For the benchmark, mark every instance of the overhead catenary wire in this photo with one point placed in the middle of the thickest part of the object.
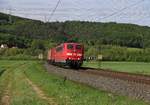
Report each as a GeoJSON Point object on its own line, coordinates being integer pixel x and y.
{"type": "Point", "coordinates": [34, 14]}
{"type": "Point", "coordinates": [121, 10]}
{"type": "Point", "coordinates": [142, 18]}
{"type": "Point", "coordinates": [53, 11]}
{"type": "Point", "coordinates": [23, 11]}
{"type": "Point", "coordinates": [51, 15]}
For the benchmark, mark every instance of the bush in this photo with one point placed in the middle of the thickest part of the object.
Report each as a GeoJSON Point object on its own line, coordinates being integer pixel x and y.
{"type": "Point", "coordinates": [13, 52]}
{"type": "Point", "coordinates": [16, 54]}
{"type": "Point", "coordinates": [117, 53]}
{"type": "Point", "coordinates": [19, 57]}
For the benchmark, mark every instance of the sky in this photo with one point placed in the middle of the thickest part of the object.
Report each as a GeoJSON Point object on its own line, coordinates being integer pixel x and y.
{"type": "Point", "coordinates": [120, 11]}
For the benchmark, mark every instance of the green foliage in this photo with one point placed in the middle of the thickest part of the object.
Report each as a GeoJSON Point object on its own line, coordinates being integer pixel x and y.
{"type": "Point", "coordinates": [37, 37]}
{"type": "Point", "coordinates": [13, 52]}
{"type": "Point", "coordinates": [38, 44]}
{"type": "Point", "coordinates": [128, 35]}
{"type": "Point", "coordinates": [108, 33]}
{"type": "Point", "coordinates": [17, 54]}
{"type": "Point", "coordinates": [19, 57]}
{"type": "Point", "coordinates": [14, 81]}
{"type": "Point", "coordinates": [12, 40]}
{"type": "Point", "coordinates": [92, 51]}
{"type": "Point", "coordinates": [117, 53]}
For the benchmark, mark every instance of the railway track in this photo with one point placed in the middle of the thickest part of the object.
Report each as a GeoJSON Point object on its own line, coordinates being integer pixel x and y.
{"type": "Point", "coordinates": [131, 77]}
{"type": "Point", "coordinates": [133, 85]}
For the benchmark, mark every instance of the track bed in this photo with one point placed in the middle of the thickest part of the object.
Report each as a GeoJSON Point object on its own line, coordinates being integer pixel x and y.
{"type": "Point", "coordinates": [138, 78]}
{"type": "Point", "coordinates": [132, 85]}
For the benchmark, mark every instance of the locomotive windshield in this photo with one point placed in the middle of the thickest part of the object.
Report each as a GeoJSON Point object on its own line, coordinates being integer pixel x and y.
{"type": "Point", "coordinates": [70, 46]}
{"type": "Point", "coordinates": [58, 49]}
{"type": "Point", "coordinates": [78, 47]}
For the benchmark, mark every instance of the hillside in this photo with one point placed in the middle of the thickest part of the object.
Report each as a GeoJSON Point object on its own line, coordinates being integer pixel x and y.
{"type": "Point", "coordinates": [20, 32]}
{"type": "Point", "coordinates": [114, 40]}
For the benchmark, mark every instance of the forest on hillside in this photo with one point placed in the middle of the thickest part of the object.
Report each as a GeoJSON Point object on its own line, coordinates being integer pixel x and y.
{"type": "Point", "coordinates": [128, 35]}
{"type": "Point", "coordinates": [37, 36]}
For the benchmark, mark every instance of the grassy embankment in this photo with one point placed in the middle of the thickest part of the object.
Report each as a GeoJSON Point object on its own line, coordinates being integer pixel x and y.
{"type": "Point", "coordinates": [14, 88]}
{"type": "Point", "coordinates": [131, 67]}
{"type": "Point", "coordinates": [22, 92]}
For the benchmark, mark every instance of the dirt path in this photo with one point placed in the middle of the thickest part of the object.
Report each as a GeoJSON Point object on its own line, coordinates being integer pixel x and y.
{"type": "Point", "coordinates": [6, 96]}
{"type": "Point", "coordinates": [41, 94]}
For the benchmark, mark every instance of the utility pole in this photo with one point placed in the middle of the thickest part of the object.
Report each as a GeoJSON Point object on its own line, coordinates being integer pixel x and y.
{"type": "Point", "coordinates": [45, 19]}
{"type": "Point", "coordinates": [10, 17]}
{"type": "Point", "coordinates": [143, 43]}
{"type": "Point", "coordinates": [100, 57]}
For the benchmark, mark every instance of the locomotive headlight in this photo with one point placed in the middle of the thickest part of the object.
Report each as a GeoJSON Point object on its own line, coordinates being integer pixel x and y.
{"type": "Point", "coordinates": [69, 53]}
{"type": "Point", "coordinates": [79, 54]}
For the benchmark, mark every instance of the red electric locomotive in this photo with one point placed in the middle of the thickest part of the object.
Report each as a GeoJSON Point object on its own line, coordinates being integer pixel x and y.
{"type": "Point", "coordinates": [70, 54]}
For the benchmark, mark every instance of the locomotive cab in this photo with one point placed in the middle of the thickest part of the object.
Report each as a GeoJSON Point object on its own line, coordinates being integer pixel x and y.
{"type": "Point", "coordinates": [74, 53]}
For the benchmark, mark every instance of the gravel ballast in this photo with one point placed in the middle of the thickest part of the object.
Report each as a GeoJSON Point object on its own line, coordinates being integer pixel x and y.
{"type": "Point", "coordinates": [117, 86]}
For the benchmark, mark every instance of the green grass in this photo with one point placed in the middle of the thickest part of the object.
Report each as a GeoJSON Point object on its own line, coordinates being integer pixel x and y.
{"type": "Point", "coordinates": [20, 91]}
{"type": "Point", "coordinates": [1, 69]}
{"type": "Point", "coordinates": [71, 93]}
{"type": "Point", "coordinates": [63, 93]}
{"type": "Point", "coordinates": [131, 67]}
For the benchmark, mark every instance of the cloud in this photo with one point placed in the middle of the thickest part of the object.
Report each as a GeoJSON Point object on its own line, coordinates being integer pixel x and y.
{"type": "Point", "coordinates": [4, 4]}
{"type": "Point", "coordinates": [92, 10]}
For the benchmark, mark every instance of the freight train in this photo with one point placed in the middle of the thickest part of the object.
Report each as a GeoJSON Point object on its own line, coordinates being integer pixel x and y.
{"type": "Point", "coordinates": [68, 54]}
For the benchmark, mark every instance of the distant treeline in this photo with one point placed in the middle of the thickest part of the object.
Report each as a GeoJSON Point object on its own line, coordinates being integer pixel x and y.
{"type": "Point", "coordinates": [117, 53]}
{"type": "Point", "coordinates": [109, 53]}
{"type": "Point", "coordinates": [128, 35]}
{"type": "Point", "coordinates": [32, 34]}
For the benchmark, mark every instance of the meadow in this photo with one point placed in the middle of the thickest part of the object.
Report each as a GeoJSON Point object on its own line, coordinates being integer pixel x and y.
{"type": "Point", "coordinates": [28, 83]}
{"type": "Point", "coordinates": [131, 67]}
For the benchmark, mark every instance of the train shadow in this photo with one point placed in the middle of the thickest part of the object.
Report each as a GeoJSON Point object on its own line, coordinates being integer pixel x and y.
{"type": "Point", "coordinates": [68, 67]}
{"type": "Point", "coordinates": [86, 68]}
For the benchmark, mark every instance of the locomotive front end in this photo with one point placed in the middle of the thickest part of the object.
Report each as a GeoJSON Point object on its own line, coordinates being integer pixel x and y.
{"type": "Point", "coordinates": [74, 55]}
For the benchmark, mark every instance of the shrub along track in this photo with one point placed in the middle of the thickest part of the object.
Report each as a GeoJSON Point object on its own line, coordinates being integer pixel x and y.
{"type": "Point", "coordinates": [135, 86]}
